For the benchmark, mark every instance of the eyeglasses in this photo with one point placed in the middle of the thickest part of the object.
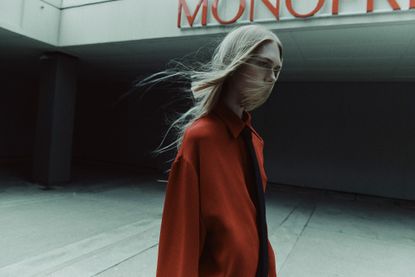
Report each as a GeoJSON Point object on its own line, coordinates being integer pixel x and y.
{"type": "Point", "coordinates": [264, 63]}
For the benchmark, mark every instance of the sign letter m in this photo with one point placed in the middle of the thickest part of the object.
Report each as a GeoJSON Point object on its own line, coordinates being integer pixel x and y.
{"type": "Point", "coordinates": [190, 17]}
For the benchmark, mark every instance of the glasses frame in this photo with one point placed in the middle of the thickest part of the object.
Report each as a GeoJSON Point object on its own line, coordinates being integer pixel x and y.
{"type": "Point", "coordinates": [264, 64]}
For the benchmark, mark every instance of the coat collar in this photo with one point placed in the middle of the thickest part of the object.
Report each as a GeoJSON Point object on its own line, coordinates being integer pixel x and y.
{"type": "Point", "coordinates": [232, 121]}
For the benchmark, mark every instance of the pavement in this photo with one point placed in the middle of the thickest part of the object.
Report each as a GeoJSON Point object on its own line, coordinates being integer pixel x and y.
{"type": "Point", "coordinates": [107, 224]}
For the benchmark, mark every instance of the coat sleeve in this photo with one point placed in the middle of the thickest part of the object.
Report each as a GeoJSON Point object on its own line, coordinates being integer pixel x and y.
{"type": "Point", "coordinates": [182, 233]}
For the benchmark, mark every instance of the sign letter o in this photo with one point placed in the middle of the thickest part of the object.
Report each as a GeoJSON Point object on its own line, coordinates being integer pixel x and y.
{"type": "Point", "coordinates": [241, 10]}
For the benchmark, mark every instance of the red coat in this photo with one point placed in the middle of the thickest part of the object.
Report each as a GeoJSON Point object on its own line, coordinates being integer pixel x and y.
{"type": "Point", "coordinates": [209, 225]}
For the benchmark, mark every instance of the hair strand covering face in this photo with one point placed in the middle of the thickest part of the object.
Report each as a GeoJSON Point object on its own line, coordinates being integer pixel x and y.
{"type": "Point", "coordinates": [255, 92]}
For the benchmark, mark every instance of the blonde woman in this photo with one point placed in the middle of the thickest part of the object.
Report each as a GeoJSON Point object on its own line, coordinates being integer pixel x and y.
{"type": "Point", "coordinates": [211, 222]}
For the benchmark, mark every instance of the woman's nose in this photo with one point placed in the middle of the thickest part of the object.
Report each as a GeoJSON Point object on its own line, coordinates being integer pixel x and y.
{"type": "Point", "coordinates": [271, 77]}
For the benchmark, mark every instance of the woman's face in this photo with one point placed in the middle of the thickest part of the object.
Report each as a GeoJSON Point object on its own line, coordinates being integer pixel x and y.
{"type": "Point", "coordinates": [266, 64]}
{"type": "Point", "coordinates": [255, 79]}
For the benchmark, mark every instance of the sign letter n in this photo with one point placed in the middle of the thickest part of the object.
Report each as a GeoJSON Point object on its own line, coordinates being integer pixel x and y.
{"type": "Point", "coordinates": [190, 17]}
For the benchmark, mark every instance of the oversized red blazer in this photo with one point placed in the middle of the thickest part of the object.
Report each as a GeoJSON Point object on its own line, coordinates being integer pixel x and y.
{"type": "Point", "coordinates": [208, 223]}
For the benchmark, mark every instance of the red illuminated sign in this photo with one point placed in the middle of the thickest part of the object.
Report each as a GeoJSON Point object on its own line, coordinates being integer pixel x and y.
{"type": "Point", "coordinates": [274, 9]}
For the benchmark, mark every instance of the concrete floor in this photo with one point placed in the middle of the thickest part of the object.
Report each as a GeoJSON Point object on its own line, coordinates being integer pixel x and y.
{"type": "Point", "coordinates": [106, 225]}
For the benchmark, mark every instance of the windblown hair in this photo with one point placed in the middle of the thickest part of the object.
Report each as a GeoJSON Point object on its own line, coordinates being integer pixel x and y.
{"type": "Point", "coordinates": [207, 79]}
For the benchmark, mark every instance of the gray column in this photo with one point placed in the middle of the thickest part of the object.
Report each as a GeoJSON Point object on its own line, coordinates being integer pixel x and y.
{"type": "Point", "coordinates": [55, 119]}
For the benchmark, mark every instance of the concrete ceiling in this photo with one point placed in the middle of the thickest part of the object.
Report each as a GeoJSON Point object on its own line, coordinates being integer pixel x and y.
{"type": "Point", "coordinates": [375, 52]}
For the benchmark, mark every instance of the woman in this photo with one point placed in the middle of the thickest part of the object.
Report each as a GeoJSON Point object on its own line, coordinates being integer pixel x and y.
{"type": "Point", "coordinates": [210, 217]}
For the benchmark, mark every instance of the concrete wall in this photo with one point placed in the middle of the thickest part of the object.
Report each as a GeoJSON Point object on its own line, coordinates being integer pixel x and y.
{"type": "Point", "coordinates": [357, 137]}
{"type": "Point", "coordinates": [100, 133]}
{"type": "Point", "coordinates": [121, 132]}
{"type": "Point", "coordinates": [18, 107]}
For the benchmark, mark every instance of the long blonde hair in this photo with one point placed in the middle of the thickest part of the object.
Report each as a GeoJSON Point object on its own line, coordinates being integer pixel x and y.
{"type": "Point", "coordinates": [207, 80]}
